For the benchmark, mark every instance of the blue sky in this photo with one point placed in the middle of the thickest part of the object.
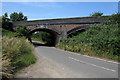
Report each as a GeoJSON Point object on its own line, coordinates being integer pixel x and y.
{"type": "Point", "coordinates": [51, 10]}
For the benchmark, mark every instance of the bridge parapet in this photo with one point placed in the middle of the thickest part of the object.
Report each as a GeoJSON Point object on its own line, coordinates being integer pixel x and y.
{"type": "Point", "coordinates": [76, 20]}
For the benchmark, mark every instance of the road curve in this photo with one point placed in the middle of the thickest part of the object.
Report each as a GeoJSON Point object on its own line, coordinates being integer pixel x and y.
{"type": "Point", "coordinates": [81, 65]}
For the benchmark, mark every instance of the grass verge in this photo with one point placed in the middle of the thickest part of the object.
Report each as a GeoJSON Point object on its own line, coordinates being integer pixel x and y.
{"type": "Point", "coordinates": [17, 53]}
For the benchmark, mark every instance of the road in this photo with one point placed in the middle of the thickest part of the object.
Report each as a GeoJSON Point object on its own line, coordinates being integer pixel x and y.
{"type": "Point", "coordinates": [81, 65]}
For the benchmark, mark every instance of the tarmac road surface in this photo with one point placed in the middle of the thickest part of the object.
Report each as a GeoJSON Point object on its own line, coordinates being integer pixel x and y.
{"type": "Point", "coordinates": [85, 66]}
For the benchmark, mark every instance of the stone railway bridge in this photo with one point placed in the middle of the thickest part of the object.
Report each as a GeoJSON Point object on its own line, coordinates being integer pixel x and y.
{"type": "Point", "coordinates": [61, 28]}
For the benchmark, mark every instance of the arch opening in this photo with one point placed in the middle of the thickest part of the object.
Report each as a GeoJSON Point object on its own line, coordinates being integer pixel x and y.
{"type": "Point", "coordinates": [75, 33]}
{"type": "Point", "coordinates": [44, 37]}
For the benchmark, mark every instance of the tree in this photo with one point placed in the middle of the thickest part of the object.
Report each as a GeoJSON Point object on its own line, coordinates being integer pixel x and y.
{"type": "Point", "coordinates": [14, 16]}
{"type": "Point", "coordinates": [25, 18]}
{"type": "Point", "coordinates": [96, 14]}
{"type": "Point", "coordinates": [6, 24]}
{"type": "Point", "coordinates": [5, 18]}
{"type": "Point", "coordinates": [17, 17]}
{"type": "Point", "coordinates": [22, 31]}
{"type": "Point", "coordinates": [20, 16]}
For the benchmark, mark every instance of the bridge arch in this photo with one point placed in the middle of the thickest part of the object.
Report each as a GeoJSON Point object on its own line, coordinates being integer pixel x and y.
{"type": "Point", "coordinates": [55, 34]}
{"type": "Point", "coordinates": [77, 29]}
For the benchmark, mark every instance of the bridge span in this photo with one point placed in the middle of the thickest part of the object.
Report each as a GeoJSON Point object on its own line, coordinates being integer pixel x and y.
{"type": "Point", "coordinates": [62, 27]}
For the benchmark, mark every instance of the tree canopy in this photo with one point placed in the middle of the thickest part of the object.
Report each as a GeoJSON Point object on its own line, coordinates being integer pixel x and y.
{"type": "Point", "coordinates": [7, 22]}
{"type": "Point", "coordinates": [17, 16]}
{"type": "Point", "coordinates": [96, 14]}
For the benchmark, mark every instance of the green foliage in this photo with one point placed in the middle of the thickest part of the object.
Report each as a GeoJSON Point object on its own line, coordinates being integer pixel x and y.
{"type": "Point", "coordinates": [6, 24]}
{"type": "Point", "coordinates": [98, 40]}
{"type": "Point", "coordinates": [115, 18]}
{"type": "Point", "coordinates": [17, 16]}
{"type": "Point", "coordinates": [17, 53]}
{"type": "Point", "coordinates": [25, 18]}
{"type": "Point", "coordinates": [43, 37]}
{"type": "Point", "coordinates": [8, 33]}
{"type": "Point", "coordinates": [96, 14]}
{"type": "Point", "coordinates": [22, 31]}
{"type": "Point", "coordinates": [16, 50]}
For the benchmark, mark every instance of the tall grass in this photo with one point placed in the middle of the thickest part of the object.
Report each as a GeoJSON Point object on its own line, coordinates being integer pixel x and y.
{"type": "Point", "coordinates": [17, 54]}
{"type": "Point", "coordinates": [101, 40]}
{"type": "Point", "coordinates": [8, 33]}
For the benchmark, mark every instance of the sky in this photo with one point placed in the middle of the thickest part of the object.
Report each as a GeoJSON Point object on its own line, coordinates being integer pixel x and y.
{"type": "Point", "coordinates": [52, 10]}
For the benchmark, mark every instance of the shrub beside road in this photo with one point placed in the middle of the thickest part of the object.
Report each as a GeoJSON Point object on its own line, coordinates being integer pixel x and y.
{"type": "Point", "coordinates": [101, 40]}
{"type": "Point", "coordinates": [17, 54]}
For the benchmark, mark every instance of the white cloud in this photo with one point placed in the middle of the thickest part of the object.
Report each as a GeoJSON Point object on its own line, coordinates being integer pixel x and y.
{"type": "Point", "coordinates": [60, 0]}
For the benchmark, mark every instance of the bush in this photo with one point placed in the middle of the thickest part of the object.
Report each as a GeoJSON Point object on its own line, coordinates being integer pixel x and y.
{"type": "Point", "coordinates": [114, 18]}
{"type": "Point", "coordinates": [22, 31]}
{"type": "Point", "coordinates": [17, 52]}
{"type": "Point", "coordinates": [100, 40]}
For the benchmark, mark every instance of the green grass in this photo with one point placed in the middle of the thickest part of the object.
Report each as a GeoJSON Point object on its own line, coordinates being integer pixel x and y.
{"type": "Point", "coordinates": [18, 52]}
{"type": "Point", "coordinates": [100, 40]}
{"type": "Point", "coordinates": [8, 33]}
{"type": "Point", "coordinates": [24, 61]}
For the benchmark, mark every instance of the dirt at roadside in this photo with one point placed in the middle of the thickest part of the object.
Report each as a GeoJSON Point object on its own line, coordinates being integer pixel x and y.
{"type": "Point", "coordinates": [44, 68]}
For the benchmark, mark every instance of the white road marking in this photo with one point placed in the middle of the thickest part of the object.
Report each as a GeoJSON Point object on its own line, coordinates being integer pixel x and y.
{"type": "Point", "coordinates": [101, 59]}
{"type": "Point", "coordinates": [92, 64]}
{"type": "Point", "coordinates": [89, 56]}
{"type": "Point", "coordinates": [95, 58]}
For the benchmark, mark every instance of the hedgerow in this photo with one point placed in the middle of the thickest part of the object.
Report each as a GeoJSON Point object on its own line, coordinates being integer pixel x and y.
{"type": "Point", "coordinates": [98, 40]}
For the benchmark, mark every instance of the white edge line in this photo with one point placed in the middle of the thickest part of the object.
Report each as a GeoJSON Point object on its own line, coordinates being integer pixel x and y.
{"type": "Point", "coordinates": [90, 56]}
{"type": "Point", "coordinates": [92, 64]}
{"type": "Point", "coordinates": [101, 59]}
